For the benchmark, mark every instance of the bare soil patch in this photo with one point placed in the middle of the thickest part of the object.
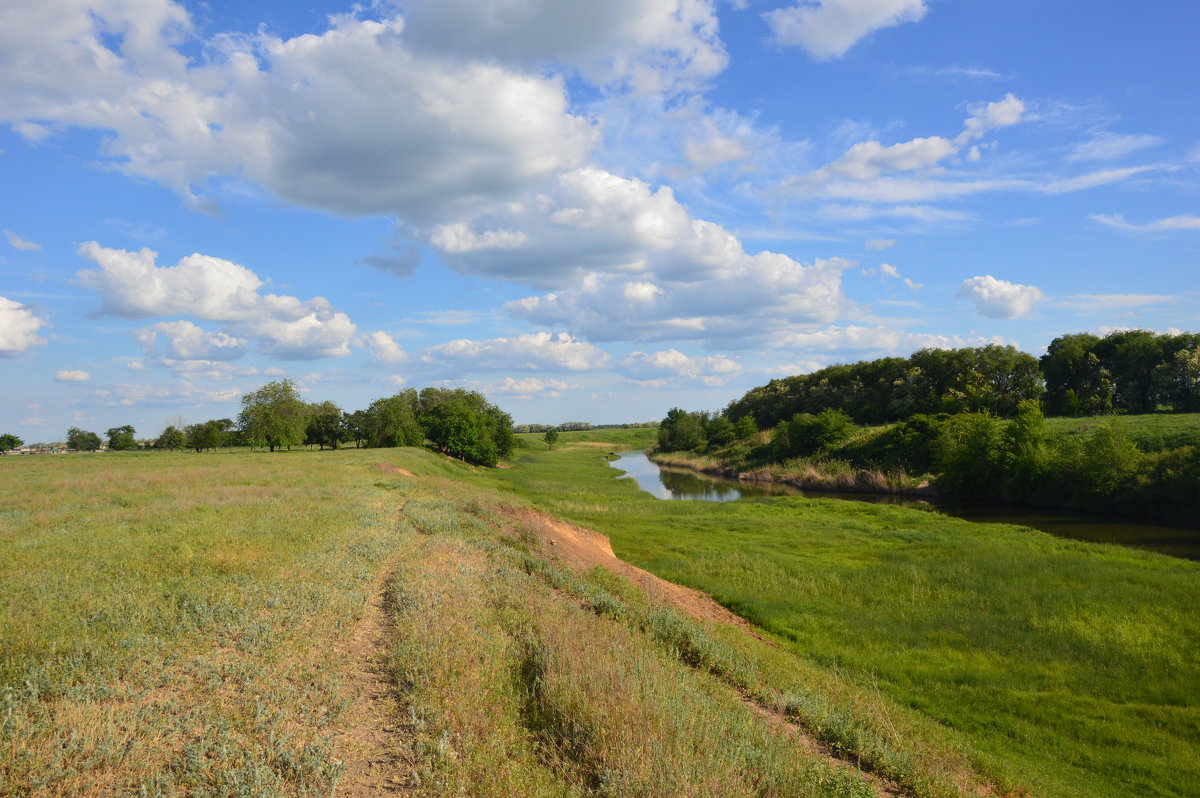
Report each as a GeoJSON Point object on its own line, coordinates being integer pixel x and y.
{"type": "Point", "coordinates": [388, 468]}
{"type": "Point", "coordinates": [583, 549]}
{"type": "Point", "coordinates": [373, 742]}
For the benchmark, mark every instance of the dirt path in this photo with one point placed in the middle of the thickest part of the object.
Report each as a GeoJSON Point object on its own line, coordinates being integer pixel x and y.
{"type": "Point", "coordinates": [372, 742]}
{"type": "Point", "coordinates": [388, 468]}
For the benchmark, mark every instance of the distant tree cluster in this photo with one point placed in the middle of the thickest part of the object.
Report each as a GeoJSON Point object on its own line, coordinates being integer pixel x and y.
{"type": "Point", "coordinates": [82, 440]}
{"type": "Point", "coordinates": [566, 426]}
{"type": "Point", "coordinates": [1134, 371]}
{"type": "Point", "coordinates": [1131, 371]}
{"type": "Point", "coordinates": [682, 430]}
{"type": "Point", "coordinates": [460, 423]}
{"type": "Point", "coordinates": [455, 421]}
{"type": "Point", "coordinates": [991, 378]}
{"type": "Point", "coordinates": [9, 442]}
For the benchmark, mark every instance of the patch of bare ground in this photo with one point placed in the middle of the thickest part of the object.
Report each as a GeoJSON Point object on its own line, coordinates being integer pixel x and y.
{"type": "Point", "coordinates": [373, 741]}
{"type": "Point", "coordinates": [584, 549]}
{"type": "Point", "coordinates": [388, 468]}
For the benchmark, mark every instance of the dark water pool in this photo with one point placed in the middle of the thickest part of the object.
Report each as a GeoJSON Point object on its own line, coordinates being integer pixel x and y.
{"type": "Point", "coordinates": [681, 484]}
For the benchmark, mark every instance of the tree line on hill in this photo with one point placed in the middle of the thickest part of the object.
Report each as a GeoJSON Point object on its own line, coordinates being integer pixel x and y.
{"type": "Point", "coordinates": [1131, 371]}
{"type": "Point", "coordinates": [974, 418]}
{"type": "Point", "coordinates": [455, 421]}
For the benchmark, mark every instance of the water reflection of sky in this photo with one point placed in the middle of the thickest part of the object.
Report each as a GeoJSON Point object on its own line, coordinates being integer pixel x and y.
{"type": "Point", "coordinates": [676, 485]}
{"type": "Point", "coordinates": [665, 483]}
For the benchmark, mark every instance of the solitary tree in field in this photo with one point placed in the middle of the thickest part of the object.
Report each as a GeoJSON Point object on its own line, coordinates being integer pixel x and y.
{"type": "Point", "coordinates": [9, 442]}
{"type": "Point", "coordinates": [551, 437]}
{"type": "Point", "coordinates": [82, 440]}
{"type": "Point", "coordinates": [273, 416]}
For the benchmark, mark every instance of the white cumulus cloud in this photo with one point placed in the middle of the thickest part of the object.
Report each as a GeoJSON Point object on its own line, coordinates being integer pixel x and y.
{"type": "Point", "coordinates": [711, 370]}
{"type": "Point", "coordinates": [528, 387]}
{"type": "Point", "coordinates": [384, 348]}
{"type": "Point", "coordinates": [751, 298]}
{"type": "Point", "coordinates": [183, 340]}
{"type": "Point", "coordinates": [649, 45]}
{"type": "Point", "coordinates": [826, 29]}
{"type": "Point", "coordinates": [72, 375]}
{"type": "Point", "coordinates": [301, 116]}
{"type": "Point", "coordinates": [132, 285]}
{"type": "Point", "coordinates": [19, 327]}
{"type": "Point", "coordinates": [540, 351]}
{"type": "Point", "coordinates": [858, 340]}
{"type": "Point", "coordinates": [999, 299]}
{"type": "Point", "coordinates": [989, 116]}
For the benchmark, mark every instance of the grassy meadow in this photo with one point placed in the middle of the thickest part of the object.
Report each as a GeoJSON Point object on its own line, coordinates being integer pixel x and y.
{"type": "Point", "coordinates": [182, 625]}
{"type": "Point", "coordinates": [1154, 432]}
{"type": "Point", "coordinates": [1060, 667]}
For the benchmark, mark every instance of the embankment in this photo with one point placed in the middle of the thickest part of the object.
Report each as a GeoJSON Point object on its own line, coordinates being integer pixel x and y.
{"type": "Point", "coordinates": [835, 476]}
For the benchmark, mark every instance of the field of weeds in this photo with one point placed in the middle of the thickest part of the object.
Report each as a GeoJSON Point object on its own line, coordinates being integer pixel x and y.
{"type": "Point", "coordinates": [311, 623]}
{"type": "Point", "coordinates": [1056, 667]}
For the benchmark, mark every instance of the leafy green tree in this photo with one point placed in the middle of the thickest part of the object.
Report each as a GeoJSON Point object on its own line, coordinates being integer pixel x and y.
{"type": "Point", "coordinates": [120, 439]}
{"type": "Point", "coordinates": [1132, 357]}
{"type": "Point", "coordinates": [325, 426]}
{"type": "Point", "coordinates": [8, 442]}
{"type": "Point", "coordinates": [744, 427]}
{"type": "Point", "coordinates": [82, 440]}
{"type": "Point", "coordinates": [354, 427]}
{"type": "Point", "coordinates": [206, 435]}
{"type": "Point", "coordinates": [1110, 458]}
{"type": "Point", "coordinates": [551, 438]}
{"type": "Point", "coordinates": [1025, 452]}
{"type": "Point", "coordinates": [681, 431]}
{"type": "Point", "coordinates": [392, 421]}
{"type": "Point", "coordinates": [171, 439]}
{"type": "Point", "coordinates": [273, 416]}
{"type": "Point", "coordinates": [807, 434]}
{"type": "Point", "coordinates": [1179, 380]}
{"type": "Point", "coordinates": [965, 454]}
{"type": "Point", "coordinates": [720, 432]}
{"type": "Point", "coordinates": [465, 425]}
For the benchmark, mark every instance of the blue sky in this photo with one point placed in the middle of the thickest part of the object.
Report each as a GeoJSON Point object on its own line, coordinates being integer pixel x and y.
{"type": "Point", "coordinates": [587, 211]}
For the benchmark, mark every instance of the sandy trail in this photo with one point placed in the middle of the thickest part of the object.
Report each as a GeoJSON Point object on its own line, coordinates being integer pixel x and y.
{"type": "Point", "coordinates": [388, 468]}
{"type": "Point", "coordinates": [372, 741]}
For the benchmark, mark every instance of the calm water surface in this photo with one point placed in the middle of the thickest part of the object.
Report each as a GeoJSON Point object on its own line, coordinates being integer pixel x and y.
{"type": "Point", "coordinates": [681, 484]}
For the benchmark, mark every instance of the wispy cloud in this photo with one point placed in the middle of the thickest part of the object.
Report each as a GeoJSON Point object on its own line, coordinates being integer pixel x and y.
{"type": "Point", "coordinates": [1167, 225]}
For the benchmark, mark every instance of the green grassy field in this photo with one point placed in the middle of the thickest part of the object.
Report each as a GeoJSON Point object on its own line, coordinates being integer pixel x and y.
{"type": "Point", "coordinates": [1152, 432]}
{"type": "Point", "coordinates": [1065, 668]}
{"type": "Point", "coordinates": [184, 625]}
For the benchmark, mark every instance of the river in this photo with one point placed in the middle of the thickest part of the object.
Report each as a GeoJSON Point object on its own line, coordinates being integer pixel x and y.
{"type": "Point", "coordinates": [680, 484]}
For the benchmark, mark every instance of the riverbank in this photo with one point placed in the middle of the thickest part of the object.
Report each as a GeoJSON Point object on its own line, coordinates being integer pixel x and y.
{"type": "Point", "coordinates": [1016, 647]}
{"type": "Point", "coordinates": [836, 476]}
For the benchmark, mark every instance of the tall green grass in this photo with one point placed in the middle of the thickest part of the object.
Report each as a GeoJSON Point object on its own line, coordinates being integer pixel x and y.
{"type": "Point", "coordinates": [1063, 668]}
